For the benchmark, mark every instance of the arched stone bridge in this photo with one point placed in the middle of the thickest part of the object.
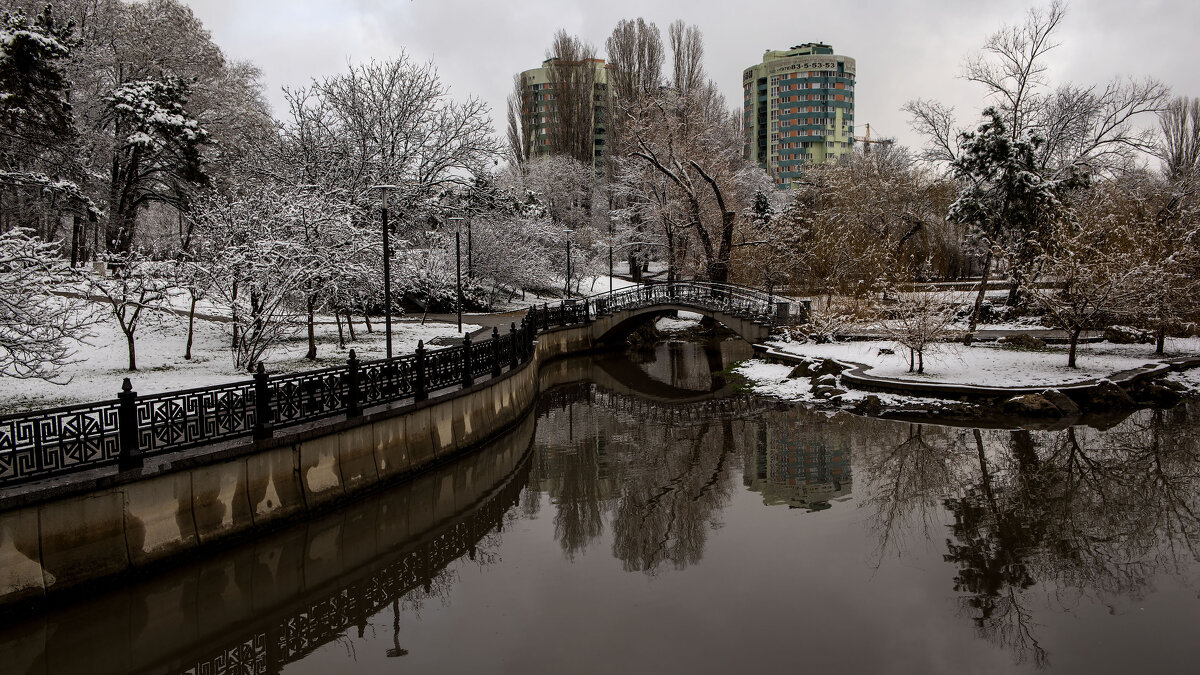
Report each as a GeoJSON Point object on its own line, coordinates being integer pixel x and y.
{"type": "Point", "coordinates": [751, 313]}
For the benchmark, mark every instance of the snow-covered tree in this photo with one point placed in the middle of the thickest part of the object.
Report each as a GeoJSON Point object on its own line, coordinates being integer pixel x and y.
{"type": "Point", "coordinates": [1095, 281]}
{"type": "Point", "coordinates": [1059, 132]}
{"type": "Point", "coordinates": [262, 266]}
{"type": "Point", "coordinates": [158, 148]}
{"type": "Point", "coordinates": [39, 167]}
{"type": "Point", "coordinates": [37, 328]}
{"type": "Point", "coordinates": [134, 290]}
{"type": "Point", "coordinates": [1011, 202]}
{"type": "Point", "coordinates": [920, 318]}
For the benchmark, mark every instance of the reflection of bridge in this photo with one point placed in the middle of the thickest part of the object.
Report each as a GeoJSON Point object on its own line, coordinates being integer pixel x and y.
{"type": "Point", "coordinates": [715, 407]}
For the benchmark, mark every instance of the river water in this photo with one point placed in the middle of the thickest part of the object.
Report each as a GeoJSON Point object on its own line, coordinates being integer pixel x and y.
{"type": "Point", "coordinates": [649, 517]}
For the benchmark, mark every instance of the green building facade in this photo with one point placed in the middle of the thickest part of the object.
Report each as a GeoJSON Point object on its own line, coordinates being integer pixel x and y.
{"type": "Point", "coordinates": [798, 108]}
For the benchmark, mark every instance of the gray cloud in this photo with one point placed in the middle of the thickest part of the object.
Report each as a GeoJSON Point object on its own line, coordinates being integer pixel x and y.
{"type": "Point", "coordinates": [905, 49]}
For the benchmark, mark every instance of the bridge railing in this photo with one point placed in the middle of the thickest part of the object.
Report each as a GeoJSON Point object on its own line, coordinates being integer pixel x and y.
{"type": "Point", "coordinates": [738, 300]}
{"type": "Point", "coordinates": [123, 432]}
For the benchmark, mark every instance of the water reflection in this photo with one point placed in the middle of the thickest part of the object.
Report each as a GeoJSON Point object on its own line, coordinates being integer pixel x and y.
{"type": "Point", "coordinates": [1077, 516]}
{"type": "Point", "coordinates": [260, 606]}
{"type": "Point", "coordinates": [646, 496]}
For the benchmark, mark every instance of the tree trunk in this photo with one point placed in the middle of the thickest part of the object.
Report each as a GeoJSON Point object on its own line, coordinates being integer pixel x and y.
{"type": "Point", "coordinates": [132, 350]}
{"type": "Point", "coordinates": [920, 361]}
{"type": "Point", "coordinates": [1074, 342]}
{"type": "Point", "coordinates": [987, 273]}
{"type": "Point", "coordinates": [1160, 339]}
{"type": "Point", "coordinates": [350, 324]}
{"type": "Point", "coordinates": [367, 319]}
{"type": "Point", "coordinates": [337, 316]}
{"type": "Point", "coordinates": [312, 332]}
{"type": "Point", "coordinates": [187, 352]}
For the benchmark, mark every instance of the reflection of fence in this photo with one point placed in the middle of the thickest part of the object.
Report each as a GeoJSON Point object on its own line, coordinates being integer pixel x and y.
{"type": "Point", "coordinates": [684, 413]}
{"type": "Point", "coordinates": [46, 443]}
{"type": "Point", "coordinates": [321, 620]}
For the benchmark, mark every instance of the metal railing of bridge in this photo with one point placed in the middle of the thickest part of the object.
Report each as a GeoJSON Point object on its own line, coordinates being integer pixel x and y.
{"type": "Point", "coordinates": [124, 431]}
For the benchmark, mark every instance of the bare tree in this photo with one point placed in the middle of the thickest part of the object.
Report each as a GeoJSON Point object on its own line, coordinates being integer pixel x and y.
{"type": "Point", "coordinates": [635, 48]}
{"type": "Point", "coordinates": [573, 88]}
{"type": "Point", "coordinates": [687, 57]}
{"type": "Point", "coordinates": [920, 319]}
{"type": "Point", "coordinates": [1180, 151]}
{"type": "Point", "coordinates": [134, 291]}
{"type": "Point", "coordinates": [520, 132]}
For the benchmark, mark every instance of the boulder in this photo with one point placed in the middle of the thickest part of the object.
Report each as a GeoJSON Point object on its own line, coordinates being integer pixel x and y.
{"type": "Point", "coordinates": [1031, 405]}
{"type": "Point", "coordinates": [871, 405]}
{"type": "Point", "coordinates": [1023, 341]}
{"type": "Point", "coordinates": [825, 380]}
{"type": "Point", "coordinates": [1106, 395]}
{"type": "Point", "coordinates": [1061, 401]}
{"type": "Point", "coordinates": [1155, 393]}
{"type": "Point", "coordinates": [1126, 335]}
{"type": "Point", "coordinates": [829, 367]}
{"type": "Point", "coordinates": [803, 370]}
{"type": "Point", "coordinates": [827, 391]}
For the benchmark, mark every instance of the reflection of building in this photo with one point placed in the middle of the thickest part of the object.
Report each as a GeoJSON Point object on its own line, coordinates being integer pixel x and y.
{"type": "Point", "coordinates": [798, 108]}
{"type": "Point", "coordinates": [800, 463]}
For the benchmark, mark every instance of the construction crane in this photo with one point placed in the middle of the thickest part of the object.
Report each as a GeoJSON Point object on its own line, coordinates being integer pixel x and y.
{"type": "Point", "coordinates": [867, 142]}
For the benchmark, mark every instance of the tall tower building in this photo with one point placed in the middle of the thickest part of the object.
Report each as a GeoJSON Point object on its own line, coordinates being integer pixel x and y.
{"type": "Point", "coordinates": [588, 110]}
{"type": "Point", "coordinates": [798, 108]}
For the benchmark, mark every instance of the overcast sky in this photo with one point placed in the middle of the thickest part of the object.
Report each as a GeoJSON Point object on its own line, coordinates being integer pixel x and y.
{"type": "Point", "coordinates": [905, 49]}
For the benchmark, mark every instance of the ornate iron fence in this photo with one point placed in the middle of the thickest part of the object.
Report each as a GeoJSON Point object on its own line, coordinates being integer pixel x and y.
{"type": "Point", "coordinates": [46, 443]}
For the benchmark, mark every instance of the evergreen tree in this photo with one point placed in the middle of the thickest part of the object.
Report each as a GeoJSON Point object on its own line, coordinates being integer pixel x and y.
{"type": "Point", "coordinates": [1011, 201]}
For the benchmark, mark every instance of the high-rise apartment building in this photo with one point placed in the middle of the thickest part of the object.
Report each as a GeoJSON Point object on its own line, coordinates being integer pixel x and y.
{"type": "Point", "coordinates": [798, 108]}
{"type": "Point", "coordinates": [588, 111]}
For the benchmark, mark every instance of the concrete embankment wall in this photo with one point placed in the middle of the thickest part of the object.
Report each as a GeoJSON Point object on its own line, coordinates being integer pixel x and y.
{"type": "Point", "coordinates": [248, 605]}
{"type": "Point", "coordinates": [69, 538]}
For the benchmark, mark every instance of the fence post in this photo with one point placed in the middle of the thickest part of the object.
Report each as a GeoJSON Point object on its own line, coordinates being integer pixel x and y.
{"type": "Point", "coordinates": [130, 456]}
{"type": "Point", "coordinates": [512, 340]}
{"type": "Point", "coordinates": [419, 392]}
{"type": "Point", "coordinates": [467, 378]}
{"type": "Point", "coordinates": [352, 393]}
{"type": "Point", "coordinates": [495, 351]}
{"type": "Point", "coordinates": [264, 421]}
{"type": "Point", "coordinates": [545, 316]}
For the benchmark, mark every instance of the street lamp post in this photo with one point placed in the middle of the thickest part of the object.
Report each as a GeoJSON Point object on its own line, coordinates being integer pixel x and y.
{"type": "Point", "coordinates": [458, 274]}
{"type": "Point", "coordinates": [387, 284]}
{"type": "Point", "coordinates": [458, 265]}
{"type": "Point", "coordinates": [387, 270]}
{"type": "Point", "coordinates": [470, 257]}
{"type": "Point", "coordinates": [568, 268]}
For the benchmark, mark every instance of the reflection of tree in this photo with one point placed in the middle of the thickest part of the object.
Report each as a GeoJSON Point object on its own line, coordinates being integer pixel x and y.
{"type": "Point", "coordinates": [905, 476]}
{"type": "Point", "coordinates": [991, 544]}
{"type": "Point", "coordinates": [1082, 514]}
{"type": "Point", "coordinates": [1079, 512]}
{"type": "Point", "coordinates": [671, 499]}
{"type": "Point", "coordinates": [661, 483]}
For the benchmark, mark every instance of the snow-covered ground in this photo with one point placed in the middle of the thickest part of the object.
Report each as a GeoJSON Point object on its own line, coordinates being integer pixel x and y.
{"type": "Point", "coordinates": [771, 379]}
{"type": "Point", "coordinates": [590, 286]}
{"type": "Point", "coordinates": [685, 322]}
{"type": "Point", "coordinates": [991, 364]}
{"type": "Point", "coordinates": [100, 363]}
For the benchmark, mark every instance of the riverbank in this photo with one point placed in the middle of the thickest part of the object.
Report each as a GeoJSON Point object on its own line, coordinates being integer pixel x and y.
{"type": "Point", "coordinates": [981, 379]}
